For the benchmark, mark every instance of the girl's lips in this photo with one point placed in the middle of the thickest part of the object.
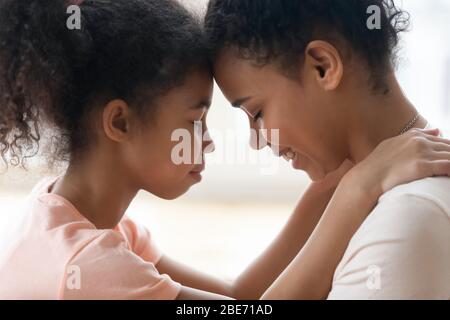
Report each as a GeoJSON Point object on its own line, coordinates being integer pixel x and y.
{"type": "Point", "coordinates": [196, 175]}
{"type": "Point", "coordinates": [198, 169]}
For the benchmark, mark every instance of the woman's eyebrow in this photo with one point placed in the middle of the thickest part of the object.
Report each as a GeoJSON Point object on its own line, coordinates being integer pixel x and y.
{"type": "Point", "coordinates": [239, 102]}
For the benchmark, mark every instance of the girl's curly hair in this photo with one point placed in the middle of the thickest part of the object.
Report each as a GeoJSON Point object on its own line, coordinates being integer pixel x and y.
{"type": "Point", "coordinates": [129, 49]}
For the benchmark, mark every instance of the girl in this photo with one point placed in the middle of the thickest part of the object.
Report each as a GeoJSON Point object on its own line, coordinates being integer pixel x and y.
{"type": "Point", "coordinates": [114, 91]}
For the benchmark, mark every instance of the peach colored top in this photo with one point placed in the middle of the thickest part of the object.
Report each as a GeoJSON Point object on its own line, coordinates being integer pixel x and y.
{"type": "Point", "coordinates": [58, 254]}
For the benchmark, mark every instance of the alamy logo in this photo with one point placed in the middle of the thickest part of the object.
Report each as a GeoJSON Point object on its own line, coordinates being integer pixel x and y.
{"type": "Point", "coordinates": [74, 20]}
{"type": "Point", "coordinates": [73, 280]}
{"type": "Point", "coordinates": [189, 147]}
{"type": "Point", "coordinates": [374, 280]}
{"type": "Point", "coordinates": [374, 20]}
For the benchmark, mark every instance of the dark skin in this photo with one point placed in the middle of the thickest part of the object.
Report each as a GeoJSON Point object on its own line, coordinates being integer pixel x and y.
{"type": "Point", "coordinates": [88, 185]}
{"type": "Point", "coordinates": [126, 147]}
{"type": "Point", "coordinates": [129, 156]}
{"type": "Point", "coordinates": [327, 116]}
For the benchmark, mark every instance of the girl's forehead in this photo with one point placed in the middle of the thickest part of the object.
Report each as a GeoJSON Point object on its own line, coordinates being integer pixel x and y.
{"type": "Point", "coordinates": [194, 92]}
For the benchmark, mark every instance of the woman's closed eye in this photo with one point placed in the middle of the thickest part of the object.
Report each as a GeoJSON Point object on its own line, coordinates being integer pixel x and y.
{"type": "Point", "coordinates": [255, 116]}
{"type": "Point", "coordinates": [258, 116]}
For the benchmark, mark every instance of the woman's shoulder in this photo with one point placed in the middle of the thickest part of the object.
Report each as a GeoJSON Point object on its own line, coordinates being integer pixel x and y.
{"type": "Point", "coordinates": [433, 190]}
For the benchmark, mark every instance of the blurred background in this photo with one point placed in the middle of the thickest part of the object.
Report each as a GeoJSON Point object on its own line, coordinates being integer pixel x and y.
{"type": "Point", "coordinates": [225, 222]}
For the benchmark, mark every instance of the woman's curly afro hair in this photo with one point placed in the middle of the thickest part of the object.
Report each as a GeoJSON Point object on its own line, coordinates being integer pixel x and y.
{"type": "Point", "coordinates": [266, 31]}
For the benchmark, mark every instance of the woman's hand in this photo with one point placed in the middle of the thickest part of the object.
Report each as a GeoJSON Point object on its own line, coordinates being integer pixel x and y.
{"type": "Point", "coordinates": [413, 156]}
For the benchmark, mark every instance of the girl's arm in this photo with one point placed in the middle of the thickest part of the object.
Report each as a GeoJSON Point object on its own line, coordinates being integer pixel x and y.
{"type": "Point", "coordinates": [255, 280]}
{"type": "Point", "coordinates": [309, 276]}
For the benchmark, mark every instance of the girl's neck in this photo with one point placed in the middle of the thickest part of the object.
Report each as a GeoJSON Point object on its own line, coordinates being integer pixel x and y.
{"type": "Point", "coordinates": [98, 189]}
{"type": "Point", "coordinates": [377, 118]}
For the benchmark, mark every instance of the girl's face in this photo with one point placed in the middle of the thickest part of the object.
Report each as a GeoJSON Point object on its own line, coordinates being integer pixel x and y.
{"type": "Point", "coordinates": [153, 159]}
{"type": "Point", "coordinates": [311, 126]}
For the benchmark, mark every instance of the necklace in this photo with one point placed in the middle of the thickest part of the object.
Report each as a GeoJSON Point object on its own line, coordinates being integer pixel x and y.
{"type": "Point", "coordinates": [410, 124]}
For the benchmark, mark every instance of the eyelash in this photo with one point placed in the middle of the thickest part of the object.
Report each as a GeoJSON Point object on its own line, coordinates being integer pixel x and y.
{"type": "Point", "coordinates": [258, 116]}
{"type": "Point", "coordinates": [198, 120]}
{"type": "Point", "coordinates": [201, 118]}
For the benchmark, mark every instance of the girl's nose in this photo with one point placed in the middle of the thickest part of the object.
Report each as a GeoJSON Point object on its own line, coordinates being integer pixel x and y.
{"type": "Point", "coordinates": [208, 143]}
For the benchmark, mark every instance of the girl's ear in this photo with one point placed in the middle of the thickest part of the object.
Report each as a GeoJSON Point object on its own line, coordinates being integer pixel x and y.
{"type": "Point", "coordinates": [326, 63]}
{"type": "Point", "coordinates": [117, 120]}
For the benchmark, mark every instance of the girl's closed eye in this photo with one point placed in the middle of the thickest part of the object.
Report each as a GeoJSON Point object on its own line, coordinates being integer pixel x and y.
{"type": "Point", "coordinates": [199, 115]}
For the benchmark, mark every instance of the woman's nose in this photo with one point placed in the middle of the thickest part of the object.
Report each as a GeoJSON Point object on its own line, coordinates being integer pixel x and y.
{"type": "Point", "coordinates": [257, 138]}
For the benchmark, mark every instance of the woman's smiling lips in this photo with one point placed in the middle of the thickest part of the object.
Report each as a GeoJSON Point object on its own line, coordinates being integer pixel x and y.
{"type": "Point", "coordinates": [287, 154]}
{"type": "Point", "coordinates": [291, 156]}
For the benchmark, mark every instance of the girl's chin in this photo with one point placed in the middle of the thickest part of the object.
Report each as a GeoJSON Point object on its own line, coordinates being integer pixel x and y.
{"type": "Point", "coordinates": [181, 187]}
{"type": "Point", "coordinates": [172, 194]}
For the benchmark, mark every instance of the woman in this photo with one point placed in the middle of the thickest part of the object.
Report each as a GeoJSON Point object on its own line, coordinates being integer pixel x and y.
{"type": "Point", "coordinates": [318, 73]}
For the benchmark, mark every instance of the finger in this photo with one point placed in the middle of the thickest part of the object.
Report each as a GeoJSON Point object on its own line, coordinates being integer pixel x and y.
{"type": "Point", "coordinates": [440, 168]}
{"type": "Point", "coordinates": [437, 139]}
{"type": "Point", "coordinates": [440, 147]}
{"type": "Point", "coordinates": [346, 165]}
{"type": "Point", "coordinates": [433, 132]}
{"type": "Point", "coordinates": [443, 155]}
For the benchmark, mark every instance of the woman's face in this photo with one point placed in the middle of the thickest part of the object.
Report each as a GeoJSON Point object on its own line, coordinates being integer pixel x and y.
{"type": "Point", "coordinates": [309, 125]}
{"type": "Point", "coordinates": [154, 159]}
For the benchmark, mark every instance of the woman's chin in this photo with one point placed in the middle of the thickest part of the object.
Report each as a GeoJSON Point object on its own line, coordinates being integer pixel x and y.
{"type": "Point", "coordinates": [315, 174]}
{"type": "Point", "coordinates": [314, 171]}
{"type": "Point", "coordinates": [315, 177]}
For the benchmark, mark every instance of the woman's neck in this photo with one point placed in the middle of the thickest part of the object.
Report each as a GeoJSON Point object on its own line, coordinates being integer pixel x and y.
{"type": "Point", "coordinates": [376, 118]}
{"type": "Point", "coordinates": [98, 189]}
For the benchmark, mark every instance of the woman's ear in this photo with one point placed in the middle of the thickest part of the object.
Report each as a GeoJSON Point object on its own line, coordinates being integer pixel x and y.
{"type": "Point", "coordinates": [326, 63]}
{"type": "Point", "coordinates": [117, 120]}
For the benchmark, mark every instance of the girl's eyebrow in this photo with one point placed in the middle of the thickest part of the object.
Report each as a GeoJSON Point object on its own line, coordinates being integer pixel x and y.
{"type": "Point", "coordinates": [203, 104]}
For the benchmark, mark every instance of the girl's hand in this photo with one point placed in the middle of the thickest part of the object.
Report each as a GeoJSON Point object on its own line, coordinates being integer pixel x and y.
{"type": "Point", "coordinates": [415, 155]}
{"type": "Point", "coordinates": [332, 179]}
